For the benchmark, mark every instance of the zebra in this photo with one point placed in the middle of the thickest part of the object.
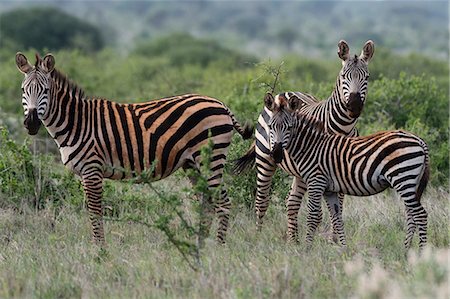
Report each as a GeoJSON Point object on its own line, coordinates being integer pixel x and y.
{"type": "Point", "coordinates": [360, 166]}
{"type": "Point", "coordinates": [339, 112]}
{"type": "Point", "coordinates": [99, 139]}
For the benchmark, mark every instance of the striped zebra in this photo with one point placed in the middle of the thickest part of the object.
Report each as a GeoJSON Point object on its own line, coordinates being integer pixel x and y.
{"type": "Point", "coordinates": [359, 166]}
{"type": "Point", "coordinates": [339, 112]}
{"type": "Point", "coordinates": [100, 139]}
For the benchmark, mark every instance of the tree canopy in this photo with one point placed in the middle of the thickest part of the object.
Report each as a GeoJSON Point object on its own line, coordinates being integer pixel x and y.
{"type": "Point", "coordinates": [47, 28]}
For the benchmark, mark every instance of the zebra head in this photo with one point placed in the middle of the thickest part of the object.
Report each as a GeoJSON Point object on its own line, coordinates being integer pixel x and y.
{"type": "Point", "coordinates": [35, 89]}
{"type": "Point", "coordinates": [354, 76]}
{"type": "Point", "coordinates": [280, 123]}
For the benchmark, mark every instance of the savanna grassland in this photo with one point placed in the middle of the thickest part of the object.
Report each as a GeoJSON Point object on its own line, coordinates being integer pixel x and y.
{"type": "Point", "coordinates": [45, 243]}
{"type": "Point", "coordinates": [48, 254]}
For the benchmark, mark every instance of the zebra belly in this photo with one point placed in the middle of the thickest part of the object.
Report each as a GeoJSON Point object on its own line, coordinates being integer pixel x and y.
{"type": "Point", "coordinates": [355, 187]}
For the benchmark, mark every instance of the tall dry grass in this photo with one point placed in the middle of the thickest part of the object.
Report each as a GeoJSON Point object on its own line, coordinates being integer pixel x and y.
{"type": "Point", "coordinates": [49, 254]}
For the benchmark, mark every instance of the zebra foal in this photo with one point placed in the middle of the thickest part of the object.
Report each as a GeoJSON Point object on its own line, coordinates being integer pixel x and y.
{"type": "Point", "coordinates": [359, 166]}
{"type": "Point", "coordinates": [99, 139]}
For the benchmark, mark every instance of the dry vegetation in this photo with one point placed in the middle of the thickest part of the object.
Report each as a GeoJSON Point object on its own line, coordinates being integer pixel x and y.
{"type": "Point", "coordinates": [48, 254]}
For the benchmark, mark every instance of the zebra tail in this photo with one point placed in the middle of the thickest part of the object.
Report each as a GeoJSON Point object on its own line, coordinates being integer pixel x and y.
{"type": "Point", "coordinates": [245, 131]}
{"type": "Point", "coordinates": [425, 175]}
{"type": "Point", "coordinates": [245, 162]}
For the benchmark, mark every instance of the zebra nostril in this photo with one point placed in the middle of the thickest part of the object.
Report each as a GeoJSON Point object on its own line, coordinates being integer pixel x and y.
{"type": "Point", "coordinates": [354, 96]}
{"type": "Point", "coordinates": [277, 153]}
{"type": "Point", "coordinates": [32, 122]}
{"type": "Point", "coordinates": [355, 104]}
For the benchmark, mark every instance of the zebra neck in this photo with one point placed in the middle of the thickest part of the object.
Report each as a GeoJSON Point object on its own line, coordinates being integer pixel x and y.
{"type": "Point", "coordinates": [341, 120]}
{"type": "Point", "coordinates": [66, 104]}
{"type": "Point", "coordinates": [307, 141]}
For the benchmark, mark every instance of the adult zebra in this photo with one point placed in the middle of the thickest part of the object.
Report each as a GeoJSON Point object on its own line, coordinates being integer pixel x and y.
{"type": "Point", "coordinates": [359, 166]}
{"type": "Point", "coordinates": [101, 139]}
{"type": "Point", "coordinates": [339, 113]}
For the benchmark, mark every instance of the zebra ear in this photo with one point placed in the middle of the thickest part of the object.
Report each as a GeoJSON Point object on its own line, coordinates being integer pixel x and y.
{"type": "Point", "coordinates": [367, 51]}
{"type": "Point", "coordinates": [293, 103]}
{"type": "Point", "coordinates": [48, 63]}
{"type": "Point", "coordinates": [269, 101]}
{"type": "Point", "coordinates": [344, 50]}
{"type": "Point", "coordinates": [22, 63]}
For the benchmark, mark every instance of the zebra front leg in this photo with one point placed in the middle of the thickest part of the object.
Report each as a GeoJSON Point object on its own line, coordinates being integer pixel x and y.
{"type": "Point", "coordinates": [93, 189]}
{"type": "Point", "coordinates": [265, 169]}
{"type": "Point", "coordinates": [314, 217]}
{"type": "Point", "coordinates": [316, 189]}
{"type": "Point", "coordinates": [293, 204]}
{"type": "Point", "coordinates": [334, 204]}
{"type": "Point", "coordinates": [341, 210]}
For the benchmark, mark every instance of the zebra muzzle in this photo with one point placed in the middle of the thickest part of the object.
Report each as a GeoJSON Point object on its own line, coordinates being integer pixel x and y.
{"type": "Point", "coordinates": [355, 104]}
{"type": "Point", "coordinates": [277, 153]}
{"type": "Point", "coordinates": [32, 122]}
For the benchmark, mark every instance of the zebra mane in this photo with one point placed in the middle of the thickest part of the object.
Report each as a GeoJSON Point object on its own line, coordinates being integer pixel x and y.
{"type": "Point", "coordinates": [63, 79]}
{"type": "Point", "coordinates": [311, 122]}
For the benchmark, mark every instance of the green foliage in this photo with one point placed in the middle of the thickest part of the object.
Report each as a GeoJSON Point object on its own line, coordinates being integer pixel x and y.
{"type": "Point", "coordinates": [28, 180]}
{"type": "Point", "coordinates": [47, 28]}
{"type": "Point", "coordinates": [179, 226]}
{"type": "Point", "coordinates": [182, 49]}
{"type": "Point", "coordinates": [388, 64]}
{"type": "Point", "coordinates": [17, 182]}
{"type": "Point", "coordinates": [415, 100]}
{"type": "Point", "coordinates": [414, 103]}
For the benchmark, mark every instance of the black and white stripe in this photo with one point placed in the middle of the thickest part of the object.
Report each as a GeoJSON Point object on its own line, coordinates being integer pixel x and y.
{"type": "Point", "coordinates": [359, 166]}
{"type": "Point", "coordinates": [339, 113]}
{"type": "Point", "coordinates": [101, 139]}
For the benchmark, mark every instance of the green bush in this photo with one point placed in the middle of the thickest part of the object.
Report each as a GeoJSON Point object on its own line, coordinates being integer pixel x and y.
{"type": "Point", "coordinates": [416, 104]}
{"type": "Point", "coordinates": [31, 180]}
{"type": "Point", "coordinates": [47, 28]}
{"type": "Point", "coordinates": [183, 49]}
{"type": "Point", "coordinates": [416, 101]}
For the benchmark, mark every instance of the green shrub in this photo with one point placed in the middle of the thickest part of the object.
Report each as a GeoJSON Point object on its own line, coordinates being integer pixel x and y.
{"type": "Point", "coordinates": [416, 104]}
{"type": "Point", "coordinates": [48, 28]}
{"type": "Point", "coordinates": [183, 49]}
{"type": "Point", "coordinates": [28, 180]}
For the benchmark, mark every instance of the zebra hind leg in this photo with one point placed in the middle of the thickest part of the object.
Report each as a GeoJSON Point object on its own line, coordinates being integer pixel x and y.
{"type": "Point", "coordinates": [222, 208]}
{"type": "Point", "coordinates": [204, 198]}
{"type": "Point", "coordinates": [410, 228]}
{"type": "Point", "coordinates": [222, 204]}
{"type": "Point", "coordinates": [420, 218]}
{"type": "Point", "coordinates": [293, 204]}
{"type": "Point", "coordinates": [416, 214]}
